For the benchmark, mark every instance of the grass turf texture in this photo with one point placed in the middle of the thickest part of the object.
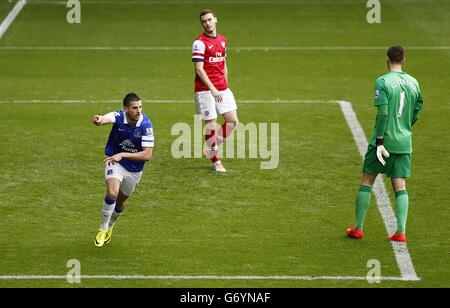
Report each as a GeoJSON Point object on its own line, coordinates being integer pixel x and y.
{"type": "Point", "coordinates": [256, 222]}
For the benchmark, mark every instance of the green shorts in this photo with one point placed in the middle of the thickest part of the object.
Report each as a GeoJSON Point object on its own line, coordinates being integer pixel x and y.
{"type": "Point", "coordinates": [397, 165]}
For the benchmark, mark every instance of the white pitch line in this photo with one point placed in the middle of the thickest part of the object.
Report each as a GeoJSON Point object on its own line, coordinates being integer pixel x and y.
{"type": "Point", "coordinates": [401, 252]}
{"type": "Point", "coordinates": [11, 16]}
{"type": "Point", "coordinates": [203, 277]}
{"type": "Point", "coordinates": [236, 48]}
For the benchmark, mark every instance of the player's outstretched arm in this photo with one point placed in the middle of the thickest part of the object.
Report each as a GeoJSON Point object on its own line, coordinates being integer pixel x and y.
{"type": "Point", "coordinates": [103, 119]}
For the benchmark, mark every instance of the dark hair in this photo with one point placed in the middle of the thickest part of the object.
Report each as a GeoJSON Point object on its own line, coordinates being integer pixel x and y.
{"type": "Point", "coordinates": [207, 11]}
{"type": "Point", "coordinates": [130, 97]}
{"type": "Point", "coordinates": [396, 54]}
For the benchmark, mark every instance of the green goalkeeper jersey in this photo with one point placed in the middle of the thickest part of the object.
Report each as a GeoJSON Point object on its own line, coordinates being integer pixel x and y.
{"type": "Point", "coordinates": [401, 93]}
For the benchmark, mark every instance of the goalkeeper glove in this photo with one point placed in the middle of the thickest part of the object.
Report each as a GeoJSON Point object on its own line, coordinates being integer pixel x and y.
{"type": "Point", "coordinates": [381, 151]}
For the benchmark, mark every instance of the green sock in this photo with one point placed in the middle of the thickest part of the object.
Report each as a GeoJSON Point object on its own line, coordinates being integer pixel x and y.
{"type": "Point", "coordinates": [401, 210]}
{"type": "Point", "coordinates": [362, 204]}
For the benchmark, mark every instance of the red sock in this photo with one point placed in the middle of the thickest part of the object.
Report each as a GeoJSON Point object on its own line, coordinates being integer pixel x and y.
{"type": "Point", "coordinates": [215, 158]}
{"type": "Point", "coordinates": [226, 129]}
{"type": "Point", "coordinates": [224, 132]}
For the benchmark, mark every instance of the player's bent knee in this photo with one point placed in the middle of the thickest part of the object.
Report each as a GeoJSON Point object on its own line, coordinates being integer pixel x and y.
{"type": "Point", "coordinates": [399, 184]}
{"type": "Point", "coordinates": [368, 179]}
{"type": "Point", "coordinates": [112, 195]}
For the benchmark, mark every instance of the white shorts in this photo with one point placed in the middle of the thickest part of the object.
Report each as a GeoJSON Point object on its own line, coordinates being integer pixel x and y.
{"type": "Point", "coordinates": [206, 104]}
{"type": "Point", "coordinates": [128, 180]}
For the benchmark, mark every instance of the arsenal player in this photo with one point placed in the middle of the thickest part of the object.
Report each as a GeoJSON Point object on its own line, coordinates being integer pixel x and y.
{"type": "Point", "coordinates": [212, 94]}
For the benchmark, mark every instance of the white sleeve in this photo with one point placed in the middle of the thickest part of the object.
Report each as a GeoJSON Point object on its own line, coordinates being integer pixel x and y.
{"type": "Point", "coordinates": [198, 50]}
{"type": "Point", "coordinates": [111, 116]}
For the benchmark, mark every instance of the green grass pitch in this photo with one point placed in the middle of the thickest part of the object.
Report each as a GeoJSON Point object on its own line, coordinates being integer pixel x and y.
{"type": "Point", "coordinates": [183, 218]}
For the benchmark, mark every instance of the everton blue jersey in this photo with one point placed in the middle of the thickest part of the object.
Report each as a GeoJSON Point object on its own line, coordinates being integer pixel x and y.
{"type": "Point", "coordinates": [129, 138]}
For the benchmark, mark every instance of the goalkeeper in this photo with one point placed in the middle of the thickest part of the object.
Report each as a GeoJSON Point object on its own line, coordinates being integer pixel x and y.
{"type": "Point", "coordinates": [398, 99]}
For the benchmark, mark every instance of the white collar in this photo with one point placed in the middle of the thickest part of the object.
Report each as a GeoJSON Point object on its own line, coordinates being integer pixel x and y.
{"type": "Point", "coordinates": [138, 123]}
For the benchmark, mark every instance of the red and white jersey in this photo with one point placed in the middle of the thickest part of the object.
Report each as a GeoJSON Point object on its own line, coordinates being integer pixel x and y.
{"type": "Point", "coordinates": [211, 51]}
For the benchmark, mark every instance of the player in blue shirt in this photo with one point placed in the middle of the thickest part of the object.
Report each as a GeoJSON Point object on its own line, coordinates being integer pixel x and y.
{"type": "Point", "coordinates": [130, 145]}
